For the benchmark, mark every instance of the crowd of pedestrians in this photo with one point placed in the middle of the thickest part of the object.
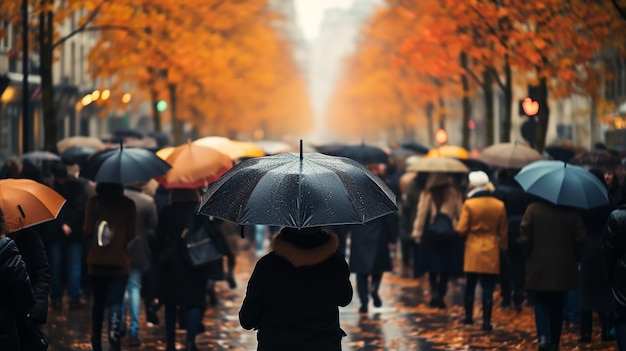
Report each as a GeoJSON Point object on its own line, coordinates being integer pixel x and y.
{"type": "Point", "coordinates": [525, 249]}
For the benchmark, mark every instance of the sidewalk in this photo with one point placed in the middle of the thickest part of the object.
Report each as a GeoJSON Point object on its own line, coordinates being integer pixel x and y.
{"type": "Point", "coordinates": [403, 323]}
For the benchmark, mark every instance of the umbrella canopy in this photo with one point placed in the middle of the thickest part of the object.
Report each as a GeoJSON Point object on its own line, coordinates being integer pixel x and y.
{"type": "Point", "coordinates": [194, 166]}
{"type": "Point", "coordinates": [222, 144]}
{"type": "Point", "coordinates": [563, 184]}
{"type": "Point", "coordinates": [165, 152]}
{"type": "Point", "coordinates": [39, 156]}
{"type": "Point", "coordinates": [365, 154]}
{"type": "Point", "coordinates": [333, 149]}
{"type": "Point", "coordinates": [79, 140]}
{"type": "Point", "coordinates": [509, 155]}
{"type": "Point", "coordinates": [448, 151]}
{"type": "Point", "coordinates": [124, 165]}
{"type": "Point", "coordinates": [26, 203]}
{"type": "Point", "coordinates": [298, 190]}
{"type": "Point", "coordinates": [437, 164]}
{"type": "Point", "coordinates": [415, 146]}
{"type": "Point", "coordinates": [596, 158]}
{"type": "Point", "coordinates": [249, 149]}
{"type": "Point", "coordinates": [560, 153]}
{"type": "Point", "coordinates": [77, 154]}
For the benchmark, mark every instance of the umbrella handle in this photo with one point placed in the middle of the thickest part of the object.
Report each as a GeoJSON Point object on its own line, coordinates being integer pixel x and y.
{"type": "Point", "coordinates": [301, 156]}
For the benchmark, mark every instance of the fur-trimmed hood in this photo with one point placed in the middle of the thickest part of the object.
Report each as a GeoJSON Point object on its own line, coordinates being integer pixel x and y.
{"type": "Point", "coordinates": [300, 256]}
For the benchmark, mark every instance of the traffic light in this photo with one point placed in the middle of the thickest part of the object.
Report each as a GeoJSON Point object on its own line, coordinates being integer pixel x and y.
{"type": "Point", "coordinates": [161, 106]}
{"type": "Point", "coordinates": [529, 106]}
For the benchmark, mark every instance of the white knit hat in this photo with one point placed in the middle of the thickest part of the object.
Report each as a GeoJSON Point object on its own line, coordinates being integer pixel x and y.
{"type": "Point", "coordinates": [478, 178]}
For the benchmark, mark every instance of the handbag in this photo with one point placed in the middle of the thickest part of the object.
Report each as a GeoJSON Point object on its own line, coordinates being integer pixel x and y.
{"type": "Point", "coordinates": [198, 248]}
{"type": "Point", "coordinates": [441, 228]}
{"type": "Point", "coordinates": [31, 336]}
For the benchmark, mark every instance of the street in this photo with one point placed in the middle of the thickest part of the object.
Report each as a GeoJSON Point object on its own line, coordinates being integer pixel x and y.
{"type": "Point", "coordinates": [403, 323]}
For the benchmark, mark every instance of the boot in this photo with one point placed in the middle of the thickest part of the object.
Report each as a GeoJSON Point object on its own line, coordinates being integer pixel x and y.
{"type": "Point", "coordinates": [487, 316]}
{"type": "Point", "coordinates": [469, 310]}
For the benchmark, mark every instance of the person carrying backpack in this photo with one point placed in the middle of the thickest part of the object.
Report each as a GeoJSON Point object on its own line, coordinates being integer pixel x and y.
{"type": "Point", "coordinates": [483, 222]}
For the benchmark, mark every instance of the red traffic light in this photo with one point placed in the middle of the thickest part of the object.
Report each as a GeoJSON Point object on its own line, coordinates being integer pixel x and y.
{"type": "Point", "coordinates": [530, 107]}
{"type": "Point", "coordinates": [441, 136]}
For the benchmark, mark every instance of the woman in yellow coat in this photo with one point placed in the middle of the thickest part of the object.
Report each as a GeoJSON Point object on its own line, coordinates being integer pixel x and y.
{"type": "Point", "coordinates": [483, 222]}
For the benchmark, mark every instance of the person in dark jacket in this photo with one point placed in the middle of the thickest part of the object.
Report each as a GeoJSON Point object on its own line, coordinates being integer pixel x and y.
{"type": "Point", "coordinates": [513, 262]}
{"type": "Point", "coordinates": [295, 290]}
{"type": "Point", "coordinates": [551, 237]}
{"type": "Point", "coordinates": [33, 253]}
{"type": "Point", "coordinates": [65, 245]}
{"type": "Point", "coordinates": [16, 295]}
{"type": "Point", "coordinates": [595, 292]}
{"type": "Point", "coordinates": [109, 265]}
{"type": "Point", "coordinates": [615, 256]}
{"type": "Point", "coordinates": [182, 288]}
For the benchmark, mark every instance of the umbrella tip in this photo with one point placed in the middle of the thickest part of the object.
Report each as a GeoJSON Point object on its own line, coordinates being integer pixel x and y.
{"type": "Point", "coordinates": [301, 156]}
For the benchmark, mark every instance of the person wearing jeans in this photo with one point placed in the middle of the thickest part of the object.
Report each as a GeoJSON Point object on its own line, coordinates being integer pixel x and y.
{"type": "Point", "coordinates": [108, 291]}
{"type": "Point", "coordinates": [484, 224]}
{"type": "Point", "coordinates": [140, 257]}
{"type": "Point", "coordinates": [549, 317]}
{"type": "Point", "coordinates": [66, 261]}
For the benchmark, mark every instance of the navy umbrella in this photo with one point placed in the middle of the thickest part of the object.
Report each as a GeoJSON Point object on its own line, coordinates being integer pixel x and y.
{"type": "Point", "coordinates": [298, 190]}
{"type": "Point", "coordinates": [124, 165]}
{"type": "Point", "coordinates": [365, 154]}
{"type": "Point", "coordinates": [77, 154]}
{"type": "Point", "coordinates": [563, 184]}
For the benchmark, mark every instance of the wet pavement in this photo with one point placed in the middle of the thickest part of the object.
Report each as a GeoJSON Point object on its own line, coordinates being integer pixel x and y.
{"type": "Point", "coordinates": [403, 323]}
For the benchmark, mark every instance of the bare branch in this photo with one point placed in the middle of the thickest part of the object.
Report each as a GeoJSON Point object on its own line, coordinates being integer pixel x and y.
{"type": "Point", "coordinates": [82, 27]}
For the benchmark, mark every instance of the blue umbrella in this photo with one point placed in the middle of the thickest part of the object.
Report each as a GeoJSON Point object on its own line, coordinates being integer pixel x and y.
{"type": "Point", "coordinates": [563, 184]}
{"type": "Point", "coordinates": [124, 165]}
{"type": "Point", "coordinates": [298, 191]}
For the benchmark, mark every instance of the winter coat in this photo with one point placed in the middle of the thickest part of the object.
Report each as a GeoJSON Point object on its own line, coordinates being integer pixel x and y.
{"type": "Point", "coordinates": [146, 222]}
{"type": "Point", "coordinates": [73, 211]}
{"type": "Point", "coordinates": [483, 222]}
{"type": "Point", "coordinates": [179, 283]}
{"type": "Point", "coordinates": [369, 245]}
{"type": "Point", "coordinates": [294, 293]}
{"type": "Point", "coordinates": [435, 256]}
{"type": "Point", "coordinates": [515, 202]}
{"type": "Point", "coordinates": [120, 213]}
{"type": "Point", "coordinates": [595, 291]}
{"type": "Point", "coordinates": [615, 253]}
{"type": "Point", "coordinates": [552, 238]}
{"type": "Point", "coordinates": [33, 253]}
{"type": "Point", "coordinates": [16, 295]}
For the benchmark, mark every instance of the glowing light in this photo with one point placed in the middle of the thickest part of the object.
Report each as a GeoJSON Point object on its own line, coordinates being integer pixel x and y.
{"type": "Point", "coordinates": [8, 94]}
{"type": "Point", "coordinates": [441, 136]}
{"type": "Point", "coordinates": [95, 95]}
{"type": "Point", "coordinates": [471, 124]}
{"type": "Point", "coordinates": [530, 107]}
{"type": "Point", "coordinates": [87, 99]}
{"type": "Point", "coordinates": [106, 94]}
{"type": "Point", "coordinates": [126, 98]}
{"type": "Point", "coordinates": [161, 106]}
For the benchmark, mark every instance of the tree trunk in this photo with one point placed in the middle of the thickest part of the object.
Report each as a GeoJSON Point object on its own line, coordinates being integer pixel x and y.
{"type": "Point", "coordinates": [543, 117]}
{"type": "Point", "coordinates": [489, 111]}
{"type": "Point", "coordinates": [507, 124]}
{"type": "Point", "coordinates": [442, 113]}
{"type": "Point", "coordinates": [467, 107]}
{"type": "Point", "coordinates": [177, 126]}
{"type": "Point", "coordinates": [46, 56]}
{"type": "Point", "coordinates": [431, 124]}
{"type": "Point", "coordinates": [156, 115]}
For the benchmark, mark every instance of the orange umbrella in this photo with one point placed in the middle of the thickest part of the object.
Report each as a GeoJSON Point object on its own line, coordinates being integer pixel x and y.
{"type": "Point", "coordinates": [222, 144]}
{"type": "Point", "coordinates": [194, 166]}
{"type": "Point", "coordinates": [448, 151]}
{"type": "Point", "coordinates": [250, 149]}
{"type": "Point", "coordinates": [26, 203]}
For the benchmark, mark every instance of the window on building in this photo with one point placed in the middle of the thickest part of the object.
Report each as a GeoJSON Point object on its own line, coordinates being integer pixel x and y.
{"type": "Point", "coordinates": [82, 63]}
{"type": "Point", "coordinates": [73, 62]}
{"type": "Point", "coordinates": [4, 43]}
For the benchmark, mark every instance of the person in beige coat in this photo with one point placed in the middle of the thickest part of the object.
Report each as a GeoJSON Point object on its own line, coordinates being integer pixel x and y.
{"type": "Point", "coordinates": [483, 222]}
{"type": "Point", "coordinates": [439, 259]}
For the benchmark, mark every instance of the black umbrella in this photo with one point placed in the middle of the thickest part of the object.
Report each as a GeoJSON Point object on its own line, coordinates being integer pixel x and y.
{"type": "Point", "coordinates": [560, 153]}
{"type": "Point", "coordinates": [298, 190]}
{"type": "Point", "coordinates": [596, 158]}
{"type": "Point", "coordinates": [365, 154]}
{"type": "Point", "coordinates": [77, 154]}
{"type": "Point", "coordinates": [334, 149]}
{"type": "Point", "coordinates": [124, 165]}
{"type": "Point", "coordinates": [415, 146]}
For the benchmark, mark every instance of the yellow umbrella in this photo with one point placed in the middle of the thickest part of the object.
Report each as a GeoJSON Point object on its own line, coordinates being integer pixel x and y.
{"type": "Point", "coordinates": [194, 166]}
{"type": "Point", "coordinates": [448, 151]}
{"type": "Point", "coordinates": [222, 144]}
{"type": "Point", "coordinates": [165, 152]}
{"type": "Point", "coordinates": [250, 149]}
{"type": "Point", "coordinates": [26, 203]}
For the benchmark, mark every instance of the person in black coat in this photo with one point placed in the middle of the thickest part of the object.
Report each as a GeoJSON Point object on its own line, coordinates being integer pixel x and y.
{"type": "Point", "coordinates": [16, 295]}
{"type": "Point", "coordinates": [294, 293]}
{"type": "Point", "coordinates": [595, 292]}
{"type": "Point", "coordinates": [513, 261]}
{"type": "Point", "coordinates": [34, 255]}
{"type": "Point", "coordinates": [615, 261]}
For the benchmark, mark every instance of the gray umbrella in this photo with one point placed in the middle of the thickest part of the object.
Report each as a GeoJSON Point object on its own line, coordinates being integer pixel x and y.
{"type": "Point", "coordinates": [298, 190]}
{"type": "Point", "coordinates": [563, 184]}
{"type": "Point", "coordinates": [124, 165]}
